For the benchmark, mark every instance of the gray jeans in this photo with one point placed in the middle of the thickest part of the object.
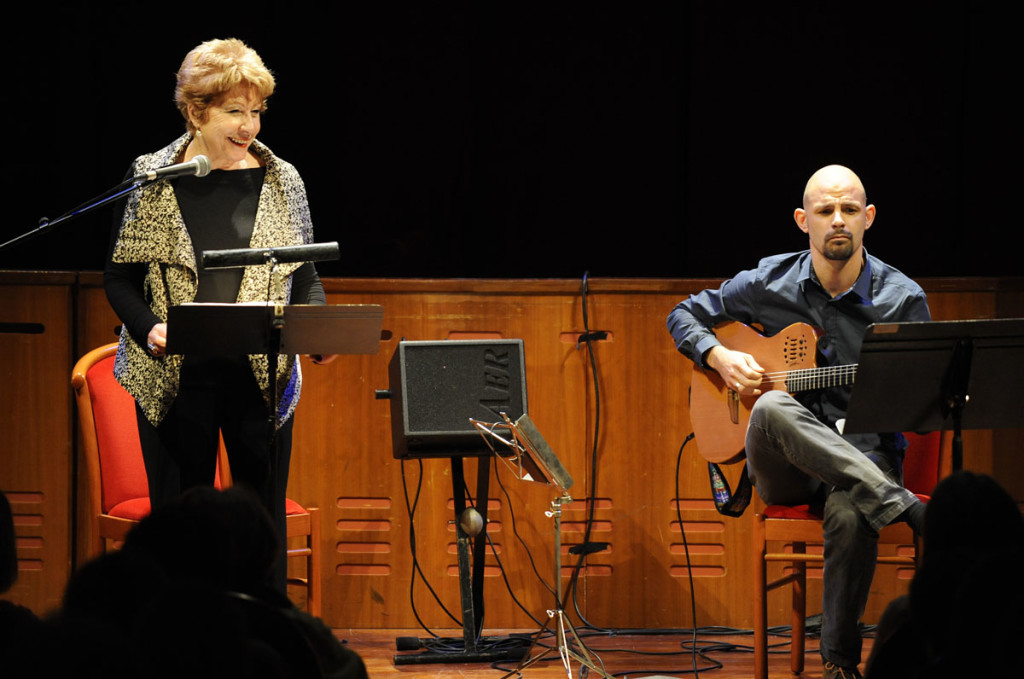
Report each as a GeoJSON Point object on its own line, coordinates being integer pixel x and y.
{"type": "Point", "coordinates": [792, 458]}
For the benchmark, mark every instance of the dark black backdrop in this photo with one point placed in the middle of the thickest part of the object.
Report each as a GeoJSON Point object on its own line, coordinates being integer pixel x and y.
{"type": "Point", "coordinates": [515, 140]}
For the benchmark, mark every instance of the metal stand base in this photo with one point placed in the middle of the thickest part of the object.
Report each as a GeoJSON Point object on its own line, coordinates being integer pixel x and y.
{"type": "Point", "coordinates": [488, 649]}
{"type": "Point", "coordinates": [471, 647]}
{"type": "Point", "coordinates": [569, 648]}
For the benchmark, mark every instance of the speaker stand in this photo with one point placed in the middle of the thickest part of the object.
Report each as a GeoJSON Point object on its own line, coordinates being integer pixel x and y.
{"type": "Point", "coordinates": [474, 647]}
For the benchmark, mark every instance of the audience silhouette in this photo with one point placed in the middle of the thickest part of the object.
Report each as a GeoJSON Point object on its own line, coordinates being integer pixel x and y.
{"type": "Point", "coordinates": [962, 616]}
{"type": "Point", "coordinates": [17, 623]}
{"type": "Point", "coordinates": [189, 594]}
{"type": "Point", "coordinates": [8, 551]}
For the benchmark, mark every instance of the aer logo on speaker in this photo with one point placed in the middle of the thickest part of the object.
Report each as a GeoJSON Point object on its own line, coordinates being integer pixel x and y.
{"type": "Point", "coordinates": [497, 382]}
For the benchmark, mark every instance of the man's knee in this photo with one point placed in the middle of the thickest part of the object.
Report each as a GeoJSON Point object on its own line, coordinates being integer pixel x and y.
{"type": "Point", "coordinates": [843, 519]}
{"type": "Point", "coordinates": [769, 406]}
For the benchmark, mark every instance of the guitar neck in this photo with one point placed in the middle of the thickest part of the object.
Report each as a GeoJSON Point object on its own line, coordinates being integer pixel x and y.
{"type": "Point", "coordinates": [818, 378]}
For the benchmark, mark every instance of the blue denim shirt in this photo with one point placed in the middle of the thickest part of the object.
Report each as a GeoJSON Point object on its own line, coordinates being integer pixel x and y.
{"type": "Point", "coordinates": [783, 290]}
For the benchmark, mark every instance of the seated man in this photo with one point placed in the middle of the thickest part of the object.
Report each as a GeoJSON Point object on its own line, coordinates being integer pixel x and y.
{"type": "Point", "coordinates": [795, 449]}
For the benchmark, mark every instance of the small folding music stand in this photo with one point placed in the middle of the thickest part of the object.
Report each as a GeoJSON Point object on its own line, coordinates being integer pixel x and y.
{"type": "Point", "coordinates": [932, 375]}
{"type": "Point", "coordinates": [531, 459]}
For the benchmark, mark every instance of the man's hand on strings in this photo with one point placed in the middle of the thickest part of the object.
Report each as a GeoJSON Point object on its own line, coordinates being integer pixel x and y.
{"type": "Point", "coordinates": [739, 370]}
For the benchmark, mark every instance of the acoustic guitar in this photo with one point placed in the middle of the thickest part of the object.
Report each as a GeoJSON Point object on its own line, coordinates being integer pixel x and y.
{"type": "Point", "coordinates": [719, 414]}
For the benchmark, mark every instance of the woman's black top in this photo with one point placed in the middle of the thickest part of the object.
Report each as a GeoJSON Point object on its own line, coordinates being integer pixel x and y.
{"type": "Point", "coordinates": [219, 212]}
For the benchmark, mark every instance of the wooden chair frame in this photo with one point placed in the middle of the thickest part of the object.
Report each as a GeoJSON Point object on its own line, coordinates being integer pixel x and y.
{"type": "Point", "coordinates": [799, 533]}
{"type": "Point", "coordinates": [301, 521]}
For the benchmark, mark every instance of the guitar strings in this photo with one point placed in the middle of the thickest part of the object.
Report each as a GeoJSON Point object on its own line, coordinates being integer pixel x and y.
{"type": "Point", "coordinates": [808, 374]}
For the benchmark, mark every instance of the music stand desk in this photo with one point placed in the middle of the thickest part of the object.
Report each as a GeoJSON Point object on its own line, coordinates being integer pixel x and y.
{"type": "Point", "coordinates": [238, 329]}
{"type": "Point", "coordinates": [934, 375]}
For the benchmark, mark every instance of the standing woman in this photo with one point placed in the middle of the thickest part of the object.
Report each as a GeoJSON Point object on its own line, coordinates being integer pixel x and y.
{"type": "Point", "coordinates": [251, 198]}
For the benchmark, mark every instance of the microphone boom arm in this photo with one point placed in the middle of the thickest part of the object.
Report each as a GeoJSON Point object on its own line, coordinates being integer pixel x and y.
{"type": "Point", "coordinates": [198, 166]}
{"type": "Point", "coordinates": [122, 189]}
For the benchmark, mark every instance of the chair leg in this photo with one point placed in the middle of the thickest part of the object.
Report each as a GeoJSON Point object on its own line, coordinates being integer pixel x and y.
{"type": "Point", "coordinates": [796, 655]}
{"type": "Point", "coordinates": [313, 602]}
{"type": "Point", "coordinates": [760, 601]}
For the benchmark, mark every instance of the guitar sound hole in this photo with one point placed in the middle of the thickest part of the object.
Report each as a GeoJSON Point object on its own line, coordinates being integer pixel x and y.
{"type": "Point", "coordinates": [794, 350]}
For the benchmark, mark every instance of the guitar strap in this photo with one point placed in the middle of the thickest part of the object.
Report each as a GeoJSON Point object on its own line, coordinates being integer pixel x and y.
{"type": "Point", "coordinates": [727, 502]}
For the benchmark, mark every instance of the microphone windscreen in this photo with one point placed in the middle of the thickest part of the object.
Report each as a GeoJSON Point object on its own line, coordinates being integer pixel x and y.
{"type": "Point", "coordinates": [202, 165]}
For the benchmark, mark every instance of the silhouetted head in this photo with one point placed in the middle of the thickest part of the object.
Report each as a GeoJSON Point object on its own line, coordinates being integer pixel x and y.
{"type": "Point", "coordinates": [224, 538]}
{"type": "Point", "coordinates": [8, 546]}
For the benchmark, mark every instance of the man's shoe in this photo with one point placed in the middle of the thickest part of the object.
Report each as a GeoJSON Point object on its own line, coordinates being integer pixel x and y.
{"type": "Point", "coordinates": [833, 671]}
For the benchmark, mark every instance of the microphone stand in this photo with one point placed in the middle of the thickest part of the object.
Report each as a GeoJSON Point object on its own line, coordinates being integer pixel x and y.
{"type": "Point", "coordinates": [122, 189]}
{"type": "Point", "coordinates": [199, 166]}
{"type": "Point", "coordinates": [272, 257]}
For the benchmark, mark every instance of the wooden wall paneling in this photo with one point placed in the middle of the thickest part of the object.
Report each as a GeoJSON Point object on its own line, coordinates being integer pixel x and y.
{"type": "Point", "coordinates": [343, 462]}
{"type": "Point", "coordinates": [557, 390]}
{"type": "Point", "coordinates": [997, 452]}
{"type": "Point", "coordinates": [340, 463]}
{"type": "Point", "coordinates": [35, 430]}
{"type": "Point", "coordinates": [97, 324]}
{"type": "Point", "coordinates": [367, 473]}
{"type": "Point", "coordinates": [643, 384]}
{"type": "Point", "coordinates": [960, 304]}
{"type": "Point", "coordinates": [641, 580]}
{"type": "Point", "coordinates": [555, 378]}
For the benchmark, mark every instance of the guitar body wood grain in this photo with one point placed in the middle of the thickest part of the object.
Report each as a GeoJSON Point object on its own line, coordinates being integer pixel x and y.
{"type": "Point", "coordinates": [719, 415]}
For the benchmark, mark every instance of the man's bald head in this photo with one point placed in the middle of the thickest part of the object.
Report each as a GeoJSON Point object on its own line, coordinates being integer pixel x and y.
{"type": "Point", "coordinates": [831, 179]}
{"type": "Point", "coordinates": [835, 214]}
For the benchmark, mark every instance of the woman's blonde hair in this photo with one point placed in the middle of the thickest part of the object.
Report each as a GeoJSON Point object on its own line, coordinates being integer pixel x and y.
{"type": "Point", "coordinates": [213, 69]}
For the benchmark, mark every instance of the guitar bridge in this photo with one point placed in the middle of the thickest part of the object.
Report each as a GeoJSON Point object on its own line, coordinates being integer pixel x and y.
{"type": "Point", "coordinates": [734, 406]}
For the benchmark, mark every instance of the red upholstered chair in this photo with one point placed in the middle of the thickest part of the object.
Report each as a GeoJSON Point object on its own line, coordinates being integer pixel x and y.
{"type": "Point", "coordinates": [927, 460]}
{"type": "Point", "coordinates": [116, 490]}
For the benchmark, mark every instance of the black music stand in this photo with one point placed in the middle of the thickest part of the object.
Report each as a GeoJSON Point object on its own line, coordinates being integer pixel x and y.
{"type": "Point", "coordinates": [239, 329]}
{"type": "Point", "coordinates": [272, 329]}
{"type": "Point", "coordinates": [936, 375]}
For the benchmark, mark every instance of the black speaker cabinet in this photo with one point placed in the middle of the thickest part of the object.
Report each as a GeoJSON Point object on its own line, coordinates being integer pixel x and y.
{"type": "Point", "coordinates": [437, 386]}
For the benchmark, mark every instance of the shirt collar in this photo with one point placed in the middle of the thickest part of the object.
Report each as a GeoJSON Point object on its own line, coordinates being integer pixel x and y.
{"type": "Point", "coordinates": [861, 287]}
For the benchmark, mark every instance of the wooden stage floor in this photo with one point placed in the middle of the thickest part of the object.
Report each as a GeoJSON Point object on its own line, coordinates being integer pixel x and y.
{"type": "Point", "coordinates": [726, 656]}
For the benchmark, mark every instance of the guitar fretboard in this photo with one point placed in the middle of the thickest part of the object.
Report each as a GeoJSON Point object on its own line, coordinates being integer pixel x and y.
{"type": "Point", "coordinates": [819, 378]}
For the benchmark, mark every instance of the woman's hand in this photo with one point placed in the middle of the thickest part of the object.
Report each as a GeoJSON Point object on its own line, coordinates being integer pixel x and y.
{"type": "Point", "coordinates": [739, 370]}
{"type": "Point", "coordinates": [156, 341]}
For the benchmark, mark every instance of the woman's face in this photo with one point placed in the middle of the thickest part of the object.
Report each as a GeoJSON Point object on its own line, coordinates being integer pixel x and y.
{"type": "Point", "coordinates": [230, 126]}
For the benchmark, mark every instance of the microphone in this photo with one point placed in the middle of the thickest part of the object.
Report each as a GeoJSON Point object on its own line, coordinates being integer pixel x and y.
{"type": "Point", "coordinates": [226, 259]}
{"type": "Point", "coordinates": [198, 166]}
